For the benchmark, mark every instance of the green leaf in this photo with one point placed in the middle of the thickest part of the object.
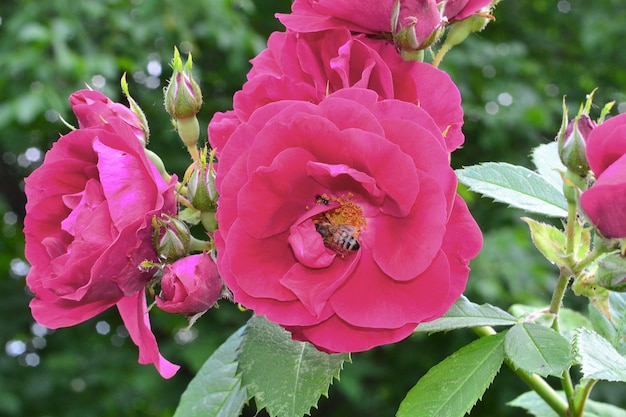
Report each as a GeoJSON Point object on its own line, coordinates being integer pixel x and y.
{"type": "Point", "coordinates": [535, 405]}
{"type": "Point", "coordinates": [453, 386]}
{"type": "Point", "coordinates": [284, 376]}
{"type": "Point", "coordinates": [537, 349]}
{"type": "Point", "coordinates": [613, 327]}
{"type": "Point", "coordinates": [533, 314]}
{"type": "Point", "coordinates": [598, 358]}
{"type": "Point", "coordinates": [515, 185]}
{"type": "Point", "coordinates": [546, 159]}
{"type": "Point", "coordinates": [570, 321]}
{"type": "Point", "coordinates": [549, 240]}
{"type": "Point", "coordinates": [465, 314]}
{"type": "Point", "coordinates": [598, 409]}
{"type": "Point", "coordinates": [611, 272]}
{"type": "Point", "coordinates": [216, 389]}
{"type": "Point", "coordinates": [190, 215]}
{"type": "Point", "coordinates": [582, 240]}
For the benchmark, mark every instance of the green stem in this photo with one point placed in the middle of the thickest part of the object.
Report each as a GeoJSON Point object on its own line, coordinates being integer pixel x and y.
{"type": "Point", "coordinates": [570, 228]}
{"type": "Point", "coordinates": [566, 378]}
{"type": "Point", "coordinates": [592, 256]}
{"type": "Point", "coordinates": [581, 397]}
{"type": "Point", "coordinates": [559, 292]}
{"type": "Point", "coordinates": [440, 54]}
{"type": "Point", "coordinates": [534, 381]}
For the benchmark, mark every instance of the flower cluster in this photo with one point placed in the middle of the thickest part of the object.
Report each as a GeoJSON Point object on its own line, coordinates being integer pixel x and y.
{"type": "Point", "coordinates": [88, 223]}
{"type": "Point", "coordinates": [338, 215]}
{"type": "Point", "coordinates": [89, 229]}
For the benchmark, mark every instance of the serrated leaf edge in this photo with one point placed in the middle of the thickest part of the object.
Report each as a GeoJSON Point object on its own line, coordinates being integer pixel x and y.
{"type": "Point", "coordinates": [453, 355]}
{"type": "Point", "coordinates": [515, 365]}
{"type": "Point", "coordinates": [508, 203]}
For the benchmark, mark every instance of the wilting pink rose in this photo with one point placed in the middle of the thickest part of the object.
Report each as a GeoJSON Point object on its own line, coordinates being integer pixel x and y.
{"type": "Point", "coordinates": [340, 220]}
{"type": "Point", "coordinates": [605, 201]}
{"type": "Point", "coordinates": [87, 228]}
{"type": "Point", "coordinates": [461, 9]}
{"type": "Point", "coordinates": [92, 108]}
{"type": "Point", "coordinates": [366, 16]}
{"type": "Point", "coordinates": [309, 66]}
{"type": "Point", "coordinates": [190, 285]}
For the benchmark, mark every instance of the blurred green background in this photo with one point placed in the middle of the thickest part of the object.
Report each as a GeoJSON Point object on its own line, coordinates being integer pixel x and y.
{"type": "Point", "coordinates": [512, 77]}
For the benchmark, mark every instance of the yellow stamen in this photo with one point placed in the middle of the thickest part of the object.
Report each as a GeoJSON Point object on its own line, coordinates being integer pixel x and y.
{"type": "Point", "coordinates": [348, 212]}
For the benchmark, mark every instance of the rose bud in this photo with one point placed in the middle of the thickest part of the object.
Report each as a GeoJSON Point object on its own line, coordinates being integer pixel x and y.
{"type": "Point", "coordinates": [572, 139]}
{"type": "Point", "coordinates": [183, 100]}
{"type": "Point", "coordinates": [171, 237]}
{"type": "Point", "coordinates": [417, 30]}
{"type": "Point", "coordinates": [201, 183]}
{"type": "Point", "coordinates": [190, 285]}
{"type": "Point", "coordinates": [457, 10]}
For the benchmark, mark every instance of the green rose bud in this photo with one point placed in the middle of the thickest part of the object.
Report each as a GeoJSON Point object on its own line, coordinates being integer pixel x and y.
{"type": "Point", "coordinates": [201, 183]}
{"type": "Point", "coordinates": [183, 100]}
{"type": "Point", "coordinates": [171, 238]}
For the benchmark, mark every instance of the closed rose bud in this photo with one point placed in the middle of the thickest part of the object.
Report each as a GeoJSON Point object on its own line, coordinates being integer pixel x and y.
{"type": "Point", "coordinates": [572, 148]}
{"type": "Point", "coordinates": [456, 10]}
{"type": "Point", "coordinates": [183, 97]}
{"type": "Point", "coordinates": [201, 184]}
{"type": "Point", "coordinates": [415, 28]}
{"type": "Point", "coordinates": [183, 100]}
{"type": "Point", "coordinates": [171, 238]}
{"type": "Point", "coordinates": [190, 285]}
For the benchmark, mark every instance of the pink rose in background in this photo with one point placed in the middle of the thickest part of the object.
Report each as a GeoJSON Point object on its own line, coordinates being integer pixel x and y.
{"type": "Point", "coordinates": [309, 66]}
{"type": "Point", "coordinates": [366, 16]}
{"type": "Point", "coordinates": [92, 108]}
{"type": "Point", "coordinates": [374, 16]}
{"type": "Point", "coordinates": [340, 220]}
{"type": "Point", "coordinates": [88, 228]}
{"type": "Point", "coordinates": [455, 10]}
{"type": "Point", "coordinates": [190, 285]}
{"type": "Point", "coordinates": [605, 201]}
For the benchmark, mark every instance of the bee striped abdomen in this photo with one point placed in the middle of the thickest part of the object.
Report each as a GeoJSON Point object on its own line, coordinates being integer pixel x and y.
{"type": "Point", "coordinates": [338, 237]}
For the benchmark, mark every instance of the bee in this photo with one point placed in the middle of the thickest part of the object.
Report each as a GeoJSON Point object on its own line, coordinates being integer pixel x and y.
{"type": "Point", "coordinates": [321, 200]}
{"type": "Point", "coordinates": [338, 237]}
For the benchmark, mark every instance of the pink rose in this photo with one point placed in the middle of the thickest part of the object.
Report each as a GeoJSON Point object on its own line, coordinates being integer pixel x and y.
{"type": "Point", "coordinates": [190, 285]}
{"type": "Point", "coordinates": [92, 108]}
{"type": "Point", "coordinates": [366, 16]}
{"type": "Point", "coordinates": [340, 220]}
{"type": "Point", "coordinates": [455, 10]}
{"type": "Point", "coordinates": [605, 201]}
{"type": "Point", "coordinates": [88, 228]}
{"type": "Point", "coordinates": [309, 66]}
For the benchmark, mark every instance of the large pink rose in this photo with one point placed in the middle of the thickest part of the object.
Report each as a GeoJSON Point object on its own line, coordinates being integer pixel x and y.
{"type": "Point", "coordinates": [87, 231]}
{"type": "Point", "coordinates": [605, 201]}
{"type": "Point", "coordinates": [340, 220]}
{"type": "Point", "coordinates": [309, 66]}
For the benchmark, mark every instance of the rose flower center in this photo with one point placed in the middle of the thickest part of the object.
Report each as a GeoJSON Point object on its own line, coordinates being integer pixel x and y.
{"type": "Point", "coordinates": [340, 227]}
